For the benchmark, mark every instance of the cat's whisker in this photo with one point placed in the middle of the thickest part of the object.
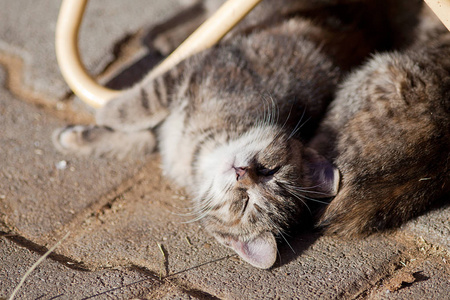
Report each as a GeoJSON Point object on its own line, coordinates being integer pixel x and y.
{"type": "Point", "coordinates": [195, 219]}
{"type": "Point", "coordinates": [199, 217]}
{"type": "Point", "coordinates": [306, 189]}
{"type": "Point", "coordinates": [270, 113]}
{"type": "Point", "coordinates": [299, 125]}
{"type": "Point", "coordinates": [315, 200]}
{"type": "Point", "coordinates": [310, 192]}
{"type": "Point", "coordinates": [291, 190]}
{"type": "Point", "coordinates": [189, 214]}
{"type": "Point", "coordinates": [287, 118]}
{"type": "Point", "coordinates": [280, 233]}
{"type": "Point", "coordinates": [190, 211]}
{"type": "Point", "coordinates": [276, 118]}
{"type": "Point", "coordinates": [200, 214]}
{"type": "Point", "coordinates": [309, 187]}
{"type": "Point", "coordinates": [295, 193]}
{"type": "Point", "coordinates": [266, 111]}
{"type": "Point", "coordinates": [261, 121]}
{"type": "Point", "coordinates": [196, 205]}
{"type": "Point", "coordinates": [198, 209]}
{"type": "Point", "coordinates": [182, 214]}
{"type": "Point", "coordinates": [287, 242]}
{"type": "Point", "coordinates": [313, 192]}
{"type": "Point", "coordinates": [193, 212]}
{"type": "Point", "coordinates": [275, 111]}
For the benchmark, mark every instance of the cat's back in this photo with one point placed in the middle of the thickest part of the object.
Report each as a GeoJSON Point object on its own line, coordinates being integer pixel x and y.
{"type": "Point", "coordinates": [405, 116]}
{"type": "Point", "coordinates": [233, 85]}
{"type": "Point", "coordinates": [389, 131]}
{"type": "Point", "coordinates": [401, 88]}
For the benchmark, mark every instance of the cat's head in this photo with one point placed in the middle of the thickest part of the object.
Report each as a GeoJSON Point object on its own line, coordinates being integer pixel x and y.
{"type": "Point", "coordinates": [254, 187]}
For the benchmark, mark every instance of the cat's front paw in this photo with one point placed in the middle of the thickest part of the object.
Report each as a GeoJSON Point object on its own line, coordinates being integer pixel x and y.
{"type": "Point", "coordinates": [72, 139]}
{"type": "Point", "coordinates": [103, 141]}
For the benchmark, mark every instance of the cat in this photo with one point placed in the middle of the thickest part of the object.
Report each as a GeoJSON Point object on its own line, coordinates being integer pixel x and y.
{"type": "Point", "coordinates": [388, 133]}
{"type": "Point", "coordinates": [231, 122]}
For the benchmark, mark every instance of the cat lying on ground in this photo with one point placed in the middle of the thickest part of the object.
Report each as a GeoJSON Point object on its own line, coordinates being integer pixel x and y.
{"type": "Point", "coordinates": [232, 121]}
{"type": "Point", "coordinates": [388, 132]}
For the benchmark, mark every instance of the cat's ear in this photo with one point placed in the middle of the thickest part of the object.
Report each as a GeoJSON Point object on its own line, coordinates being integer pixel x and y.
{"type": "Point", "coordinates": [260, 252]}
{"type": "Point", "coordinates": [323, 176]}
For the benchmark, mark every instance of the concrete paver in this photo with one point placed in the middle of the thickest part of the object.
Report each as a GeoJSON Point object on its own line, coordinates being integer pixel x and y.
{"type": "Point", "coordinates": [28, 30]}
{"type": "Point", "coordinates": [327, 269]}
{"type": "Point", "coordinates": [41, 190]}
{"type": "Point", "coordinates": [133, 226]}
{"type": "Point", "coordinates": [426, 277]}
{"type": "Point", "coordinates": [57, 280]}
{"type": "Point", "coordinates": [434, 226]}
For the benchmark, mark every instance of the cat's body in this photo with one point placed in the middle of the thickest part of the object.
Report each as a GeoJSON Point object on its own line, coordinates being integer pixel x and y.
{"type": "Point", "coordinates": [231, 121]}
{"type": "Point", "coordinates": [388, 132]}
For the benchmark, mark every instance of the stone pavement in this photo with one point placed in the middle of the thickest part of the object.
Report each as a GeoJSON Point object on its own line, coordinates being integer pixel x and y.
{"type": "Point", "coordinates": [128, 235]}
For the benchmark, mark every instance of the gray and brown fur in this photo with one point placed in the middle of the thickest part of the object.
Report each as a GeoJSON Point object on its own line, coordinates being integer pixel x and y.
{"type": "Point", "coordinates": [388, 132]}
{"type": "Point", "coordinates": [231, 121]}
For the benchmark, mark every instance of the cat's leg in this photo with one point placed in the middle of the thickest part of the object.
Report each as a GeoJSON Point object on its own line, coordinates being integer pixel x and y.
{"type": "Point", "coordinates": [139, 108]}
{"type": "Point", "coordinates": [123, 124]}
{"type": "Point", "coordinates": [103, 142]}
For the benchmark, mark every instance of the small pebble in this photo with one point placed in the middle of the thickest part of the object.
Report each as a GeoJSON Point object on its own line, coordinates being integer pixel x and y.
{"type": "Point", "coordinates": [60, 106]}
{"type": "Point", "coordinates": [61, 165]}
{"type": "Point", "coordinates": [235, 258]}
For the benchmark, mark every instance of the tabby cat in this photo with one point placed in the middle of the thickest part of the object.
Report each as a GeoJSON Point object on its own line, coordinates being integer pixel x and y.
{"type": "Point", "coordinates": [388, 132]}
{"type": "Point", "coordinates": [231, 122]}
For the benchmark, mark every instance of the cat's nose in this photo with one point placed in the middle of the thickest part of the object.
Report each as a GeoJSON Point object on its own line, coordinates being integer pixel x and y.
{"type": "Point", "coordinates": [240, 172]}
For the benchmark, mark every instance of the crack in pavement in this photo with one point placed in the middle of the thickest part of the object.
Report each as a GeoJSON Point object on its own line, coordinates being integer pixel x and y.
{"type": "Point", "coordinates": [14, 66]}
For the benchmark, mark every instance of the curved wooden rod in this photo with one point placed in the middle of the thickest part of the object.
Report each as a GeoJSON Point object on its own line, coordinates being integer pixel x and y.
{"type": "Point", "coordinates": [68, 56]}
{"type": "Point", "coordinates": [442, 10]}
{"type": "Point", "coordinates": [87, 89]}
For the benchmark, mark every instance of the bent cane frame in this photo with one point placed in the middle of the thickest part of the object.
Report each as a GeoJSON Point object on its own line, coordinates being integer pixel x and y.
{"type": "Point", "coordinates": [442, 10]}
{"type": "Point", "coordinates": [208, 34]}
{"type": "Point", "coordinates": [88, 90]}
{"type": "Point", "coordinates": [69, 61]}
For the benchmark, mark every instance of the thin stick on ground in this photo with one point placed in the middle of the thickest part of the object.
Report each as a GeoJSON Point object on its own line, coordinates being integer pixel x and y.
{"type": "Point", "coordinates": [36, 264]}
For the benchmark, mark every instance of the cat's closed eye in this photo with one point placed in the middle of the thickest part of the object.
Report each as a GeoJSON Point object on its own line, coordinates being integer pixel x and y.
{"type": "Point", "coordinates": [266, 172]}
